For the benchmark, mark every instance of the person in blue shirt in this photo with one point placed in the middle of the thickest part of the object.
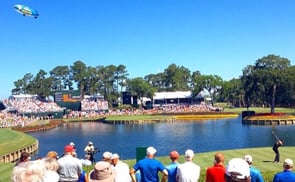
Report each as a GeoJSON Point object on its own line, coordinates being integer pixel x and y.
{"type": "Point", "coordinates": [172, 167]}
{"type": "Point", "coordinates": [149, 167]}
{"type": "Point", "coordinates": [255, 174]}
{"type": "Point", "coordinates": [286, 175]}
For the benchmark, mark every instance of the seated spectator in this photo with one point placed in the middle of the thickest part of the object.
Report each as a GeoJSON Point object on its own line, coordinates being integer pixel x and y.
{"type": "Point", "coordinates": [237, 170]}
{"type": "Point", "coordinates": [286, 175]}
{"type": "Point", "coordinates": [103, 171]}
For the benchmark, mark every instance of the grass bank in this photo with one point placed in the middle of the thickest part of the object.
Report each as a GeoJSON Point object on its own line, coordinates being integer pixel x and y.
{"type": "Point", "coordinates": [12, 140]}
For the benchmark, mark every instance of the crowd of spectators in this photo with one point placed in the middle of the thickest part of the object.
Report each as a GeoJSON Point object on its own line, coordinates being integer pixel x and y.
{"type": "Point", "coordinates": [90, 108]}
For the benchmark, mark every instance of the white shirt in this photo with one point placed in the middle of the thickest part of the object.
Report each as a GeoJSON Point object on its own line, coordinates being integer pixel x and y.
{"type": "Point", "coordinates": [122, 172]}
{"type": "Point", "coordinates": [188, 172]}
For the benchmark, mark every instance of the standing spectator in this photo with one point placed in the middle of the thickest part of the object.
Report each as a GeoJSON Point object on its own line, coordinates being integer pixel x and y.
{"type": "Point", "coordinates": [106, 156]}
{"type": "Point", "coordinates": [216, 172]}
{"type": "Point", "coordinates": [70, 168]}
{"type": "Point", "coordinates": [172, 167]}
{"type": "Point", "coordinates": [237, 170]}
{"type": "Point", "coordinates": [51, 166]}
{"type": "Point", "coordinates": [286, 175]}
{"type": "Point", "coordinates": [275, 148]}
{"type": "Point", "coordinates": [254, 173]}
{"type": "Point", "coordinates": [149, 167]}
{"type": "Point", "coordinates": [121, 168]}
{"type": "Point", "coordinates": [188, 171]}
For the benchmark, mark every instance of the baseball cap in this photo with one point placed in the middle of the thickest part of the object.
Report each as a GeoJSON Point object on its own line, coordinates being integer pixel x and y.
{"type": "Point", "coordinates": [52, 154]}
{"type": "Point", "coordinates": [174, 154]}
{"type": "Point", "coordinates": [72, 143]}
{"type": "Point", "coordinates": [90, 143]}
{"type": "Point", "coordinates": [151, 151]}
{"type": "Point", "coordinates": [69, 148]}
{"type": "Point", "coordinates": [106, 155]}
{"type": "Point", "coordinates": [189, 153]}
{"type": "Point", "coordinates": [238, 168]}
{"type": "Point", "coordinates": [248, 158]}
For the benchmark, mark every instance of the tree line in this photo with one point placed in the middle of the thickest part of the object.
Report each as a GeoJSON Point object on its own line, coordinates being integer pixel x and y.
{"type": "Point", "coordinates": [269, 82]}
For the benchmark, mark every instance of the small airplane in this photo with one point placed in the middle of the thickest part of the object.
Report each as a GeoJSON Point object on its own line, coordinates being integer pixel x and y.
{"type": "Point", "coordinates": [25, 10]}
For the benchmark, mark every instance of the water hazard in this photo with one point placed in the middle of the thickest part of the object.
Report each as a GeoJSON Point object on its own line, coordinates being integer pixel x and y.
{"type": "Point", "coordinates": [201, 136]}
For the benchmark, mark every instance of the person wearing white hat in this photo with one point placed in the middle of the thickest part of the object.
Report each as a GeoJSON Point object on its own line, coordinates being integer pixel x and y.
{"type": "Point", "coordinates": [121, 168]}
{"type": "Point", "coordinates": [188, 171]}
{"type": "Point", "coordinates": [287, 174]}
{"type": "Point", "coordinates": [90, 150]}
{"type": "Point", "coordinates": [149, 167]}
{"type": "Point", "coordinates": [237, 169]}
{"type": "Point", "coordinates": [254, 172]}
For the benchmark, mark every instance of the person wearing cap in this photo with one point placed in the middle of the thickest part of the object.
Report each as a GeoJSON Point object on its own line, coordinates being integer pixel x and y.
{"type": "Point", "coordinates": [106, 156]}
{"type": "Point", "coordinates": [188, 171]}
{"type": "Point", "coordinates": [102, 172]}
{"type": "Point", "coordinates": [149, 167]}
{"type": "Point", "coordinates": [90, 150]}
{"type": "Point", "coordinates": [275, 148]}
{"type": "Point", "coordinates": [286, 175]}
{"type": "Point", "coordinates": [52, 154]}
{"type": "Point", "coordinates": [237, 170]}
{"type": "Point", "coordinates": [172, 167]}
{"type": "Point", "coordinates": [70, 167]}
{"type": "Point", "coordinates": [216, 172]}
{"type": "Point", "coordinates": [254, 172]}
{"type": "Point", "coordinates": [121, 168]}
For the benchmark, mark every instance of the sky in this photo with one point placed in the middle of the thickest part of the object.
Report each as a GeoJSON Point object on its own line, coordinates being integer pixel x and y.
{"type": "Point", "coordinates": [218, 37]}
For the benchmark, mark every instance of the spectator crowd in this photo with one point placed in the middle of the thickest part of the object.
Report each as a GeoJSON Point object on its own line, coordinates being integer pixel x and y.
{"type": "Point", "coordinates": [69, 168]}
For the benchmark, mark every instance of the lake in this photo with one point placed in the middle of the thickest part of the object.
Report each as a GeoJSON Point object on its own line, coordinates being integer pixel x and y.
{"type": "Point", "coordinates": [200, 136]}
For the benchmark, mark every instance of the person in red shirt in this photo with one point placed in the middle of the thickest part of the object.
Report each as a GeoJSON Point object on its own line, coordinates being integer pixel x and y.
{"type": "Point", "coordinates": [216, 172]}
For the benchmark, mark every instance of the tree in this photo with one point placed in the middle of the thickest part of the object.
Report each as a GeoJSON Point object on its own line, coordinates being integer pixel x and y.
{"type": "Point", "coordinates": [177, 78]}
{"type": "Point", "coordinates": [265, 77]}
{"type": "Point", "coordinates": [41, 84]}
{"type": "Point", "coordinates": [141, 88]}
{"type": "Point", "coordinates": [78, 74]}
{"type": "Point", "coordinates": [61, 79]}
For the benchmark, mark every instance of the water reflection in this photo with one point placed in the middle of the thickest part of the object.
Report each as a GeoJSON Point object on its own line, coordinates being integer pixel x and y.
{"type": "Point", "coordinates": [201, 136]}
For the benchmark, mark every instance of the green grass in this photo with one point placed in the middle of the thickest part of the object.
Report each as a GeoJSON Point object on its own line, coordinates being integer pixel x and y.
{"type": "Point", "coordinates": [11, 140]}
{"type": "Point", "coordinates": [260, 110]}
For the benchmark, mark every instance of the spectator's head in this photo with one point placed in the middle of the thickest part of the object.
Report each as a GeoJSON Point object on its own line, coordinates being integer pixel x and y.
{"type": "Point", "coordinates": [32, 171]}
{"type": "Point", "coordinates": [219, 158]}
{"type": "Point", "coordinates": [52, 154]}
{"type": "Point", "coordinates": [237, 170]}
{"type": "Point", "coordinates": [189, 155]}
{"type": "Point", "coordinates": [69, 149]}
{"type": "Point", "coordinates": [24, 157]}
{"type": "Point", "coordinates": [150, 152]}
{"type": "Point", "coordinates": [51, 164]}
{"type": "Point", "coordinates": [174, 155]}
{"type": "Point", "coordinates": [102, 172]}
{"type": "Point", "coordinates": [106, 156]}
{"type": "Point", "coordinates": [115, 158]}
{"type": "Point", "coordinates": [248, 158]}
{"type": "Point", "coordinates": [288, 164]}
{"type": "Point", "coordinates": [73, 144]}
{"type": "Point", "coordinates": [90, 143]}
